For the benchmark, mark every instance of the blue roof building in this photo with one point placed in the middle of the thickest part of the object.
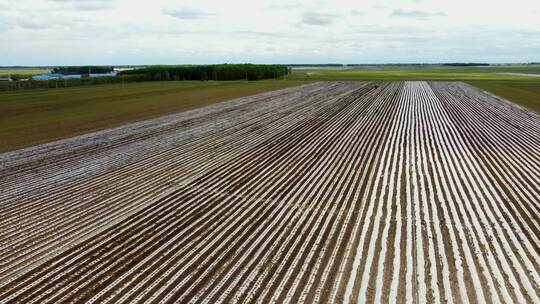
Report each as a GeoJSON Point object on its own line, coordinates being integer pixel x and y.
{"type": "Point", "coordinates": [52, 76]}
{"type": "Point", "coordinates": [47, 76]}
{"type": "Point", "coordinates": [110, 74]}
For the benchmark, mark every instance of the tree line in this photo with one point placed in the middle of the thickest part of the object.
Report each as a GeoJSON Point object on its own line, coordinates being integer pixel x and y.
{"type": "Point", "coordinates": [316, 65]}
{"type": "Point", "coordinates": [72, 70]}
{"type": "Point", "coordinates": [154, 73]}
{"type": "Point", "coordinates": [64, 82]}
{"type": "Point", "coordinates": [211, 72]}
{"type": "Point", "coordinates": [465, 64]}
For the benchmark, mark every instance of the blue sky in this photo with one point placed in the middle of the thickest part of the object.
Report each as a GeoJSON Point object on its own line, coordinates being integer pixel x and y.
{"type": "Point", "coordinates": [76, 32]}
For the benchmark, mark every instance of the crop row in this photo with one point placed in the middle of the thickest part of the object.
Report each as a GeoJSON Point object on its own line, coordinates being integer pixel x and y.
{"type": "Point", "coordinates": [329, 192]}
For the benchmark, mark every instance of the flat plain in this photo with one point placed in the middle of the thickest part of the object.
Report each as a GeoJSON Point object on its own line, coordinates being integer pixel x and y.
{"type": "Point", "coordinates": [329, 192]}
{"type": "Point", "coordinates": [30, 117]}
{"type": "Point", "coordinates": [23, 71]}
{"type": "Point", "coordinates": [518, 83]}
{"type": "Point", "coordinates": [38, 116]}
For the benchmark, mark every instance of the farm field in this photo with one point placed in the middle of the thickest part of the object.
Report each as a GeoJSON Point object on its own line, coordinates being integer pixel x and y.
{"type": "Point", "coordinates": [38, 116]}
{"type": "Point", "coordinates": [418, 74]}
{"type": "Point", "coordinates": [514, 68]}
{"type": "Point", "coordinates": [523, 92]}
{"type": "Point", "coordinates": [328, 192]}
{"type": "Point", "coordinates": [519, 84]}
{"type": "Point", "coordinates": [23, 71]}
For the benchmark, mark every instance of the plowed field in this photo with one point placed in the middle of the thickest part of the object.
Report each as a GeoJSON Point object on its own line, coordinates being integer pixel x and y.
{"type": "Point", "coordinates": [329, 192]}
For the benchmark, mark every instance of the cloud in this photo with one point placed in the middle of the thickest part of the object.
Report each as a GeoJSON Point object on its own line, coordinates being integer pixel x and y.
{"type": "Point", "coordinates": [34, 23]}
{"type": "Point", "coordinates": [285, 6]}
{"type": "Point", "coordinates": [256, 34]}
{"type": "Point", "coordinates": [318, 19]}
{"type": "Point", "coordinates": [416, 14]}
{"type": "Point", "coordinates": [88, 5]}
{"type": "Point", "coordinates": [337, 30]}
{"type": "Point", "coordinates": [30, 25]}
{"type": "Point", "coordinates": [92, 6]}
{"type": "Point", "coordinates": [186, 13]}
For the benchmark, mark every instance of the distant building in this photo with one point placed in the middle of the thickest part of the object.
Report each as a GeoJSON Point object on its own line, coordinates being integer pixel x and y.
{"type": "Point", "coordinates": [74, 76]}
{"type": "Point", "coordinates": [110, 74]}
{"type": "Point", "coordinates": [123, 69]}
{"type": "Point", "coordinates": [47, 76]}
{"type": "Point", "coordinates": [53, 76]}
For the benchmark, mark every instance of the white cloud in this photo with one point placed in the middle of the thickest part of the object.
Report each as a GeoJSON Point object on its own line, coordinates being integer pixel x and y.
{"type": "Point", "coordinates": [87, 5]}
{"type": "Point", "coordinates": [186, 13]}
{"type": "Point", "coordinates": [56, 32]}
{"type": "Point", "coordinates": [285, 6]}
{"type": "Point", "coordinates": [417, 14]}
{"type": "Point", "coordinates": [318, 18]}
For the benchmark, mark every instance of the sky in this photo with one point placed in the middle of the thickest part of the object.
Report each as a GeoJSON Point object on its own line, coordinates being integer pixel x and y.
{"type": "Point", "coordinates": [118, 32]}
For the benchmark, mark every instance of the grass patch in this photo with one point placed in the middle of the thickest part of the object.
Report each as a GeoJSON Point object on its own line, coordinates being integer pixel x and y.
{"type": "Point", "coordinates": [4, 72]}
{"type": "Point", "coordinates": [447, 75]}
{"type": "Point", "coordinates": [32, 117]}
{"type": "Point", "coordinates": [527, 69]}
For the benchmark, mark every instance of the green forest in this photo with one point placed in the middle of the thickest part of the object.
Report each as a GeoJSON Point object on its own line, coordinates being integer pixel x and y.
{"type": "Point", "coordinates": [212, 72]}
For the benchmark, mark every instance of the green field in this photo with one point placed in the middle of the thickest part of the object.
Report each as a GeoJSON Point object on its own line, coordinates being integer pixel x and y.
{"type": "Point", "coordinates": [23, 71]}
{"type": "Point", "coordinates": [450, 75]}
{"type": "Point", "coordinates": [37, 116]}
{"type": "Point", "coordinates": [523, 90]}
{"type": "Point", "coordinates": [524, 68]}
